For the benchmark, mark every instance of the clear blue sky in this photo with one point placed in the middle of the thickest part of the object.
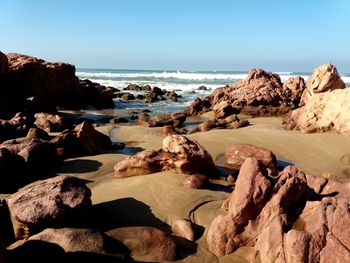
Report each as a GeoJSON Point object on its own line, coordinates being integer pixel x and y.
{"type": "Point", "coordinates": [180, 34]}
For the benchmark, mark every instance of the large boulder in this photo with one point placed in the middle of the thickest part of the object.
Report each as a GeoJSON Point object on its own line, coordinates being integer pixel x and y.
{"type": "Point", "coordinates": [324, 78]}
{"type": "Point", "coordinates": [40, 155]}
{"type": "Point", "coordinates": [83, 140]}
{"type": "Point", "coordinates": [29, 76]}
{"type": "Point", "coordinates": [236, 154]}
{"type": "Point", "coordinates": [327, 111]}
{"type": "Point", "coordinates": [294, 88]}
{"type": "Point", "coordinates": [289, 217]}
{"type": "Point", "coordinates": [189, 156]}
{"type": "Point", "coordinates": [47, 203]}
{"type": "Point", "coordinates": [81, 240]}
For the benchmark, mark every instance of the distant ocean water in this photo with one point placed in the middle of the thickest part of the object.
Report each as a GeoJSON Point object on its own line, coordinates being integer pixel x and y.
{"type": "Point", "coordinates": [185, 83]}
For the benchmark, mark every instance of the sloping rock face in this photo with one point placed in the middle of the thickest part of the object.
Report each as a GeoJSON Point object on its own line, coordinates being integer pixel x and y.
{"type": "Point", "coordinates": [324, 78]}
{"type": "Point", "coordinates": [47, 203]}
{"type": "Point", "coordinates": [52, 83]}
{"type": "Point", "coordinates": [325, 104]}
{"type": "Point", "coordinates": [260, 94]}
{"type": "Point", "coordinates": [291, 217]}
{"type": "Point", "coordinates": [178, 152]}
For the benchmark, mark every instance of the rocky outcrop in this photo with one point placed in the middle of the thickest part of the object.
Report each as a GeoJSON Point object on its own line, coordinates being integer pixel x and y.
{"type": "Point", "coordinates": [54, 84]}
{"type": "Point", "coordinates": [294, 88]}
{"type": "Point", "coordinates": [199, 106]}
{"type": "Point", "coordinates": [323, 112]}
{"type": "Point", "coordinates": [178, 152]}
{"type": "Point", "coordinates": [236, 154]}
{"type": "Point", "coordinates": [289, 217]}
{"type": "Point", "coordinates": [47, 203]}
{"type": "Point", "coordinates": [4, 64]}
{"type": "Point", "coordinates": [83, 140]}
{"type": "Point", "coordinates": [325, 104]}
{"type": "Point", "coordinates": [324, 78]}
{"type": "Point", "coordinates": [176, 120]}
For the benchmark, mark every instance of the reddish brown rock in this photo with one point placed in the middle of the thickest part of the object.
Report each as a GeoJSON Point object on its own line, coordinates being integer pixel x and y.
{"type": "Point", "coordinates": [236, 154]}
{"type": "Point", "coordinates": [40, 156]}
{"type": "Point", "coordinates": [4, 64]}
{"type": "Point", "coordinates": [224, 109]}
{"type": "Point", "coordinates": [12, 166]}
{"type": "Point", "coordinates": [189, 156]}
{"type": "Point", "coordinates": [199, 106]}
{"type": "Point", "coordinates": [196, 181]}
{"type": "Point", "coordinates": [147, 243]}
{"type": "Point", "coordinates": [46, 203]}
{"type": "Point", "coordinates": [17, 126]}
{"type": "Point", "coordinates": [81, 240]}
{"type": "Point", "coordinates": [324, 78]}
{"type": "Point", "coordinates": [50, 122]}
{"type": "Point", "coordinates": [176, 120]}
{"type": "Point", "coordinates": [37, 134]}
{"type": "Point", "coordinates": [145, 162]}
{"type": "Point", "coordinates": [294, 88]}
{"type": "Point", "coordinates": [184, 228]}
{"type": "Point", "coordinates": [83, 140]}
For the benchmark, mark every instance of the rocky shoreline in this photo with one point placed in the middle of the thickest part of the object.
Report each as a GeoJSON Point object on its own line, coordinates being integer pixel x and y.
{"type": "Point", "coordinates": [255, 210]}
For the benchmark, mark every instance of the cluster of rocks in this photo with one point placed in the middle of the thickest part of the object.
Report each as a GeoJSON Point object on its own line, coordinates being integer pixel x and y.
{"type": "Point", "coordinates": [25, 159]}
{"type": "Point", "coordinates": [285, 216]}
{"type": "Point", "coordinates": [31, 82]}
{"type": "Point", "coordinates": [171, 123]}
{"type": "Point", "coordinates": [151, 95]}
{"type": "Point", "coordinates": [260, 94]}
{"type": "Point", "coordinates": [178, 152]}
{"type": "Point", "coordinates": [47, 218]}
{"type": "Point", "coordinates": [324, 104]}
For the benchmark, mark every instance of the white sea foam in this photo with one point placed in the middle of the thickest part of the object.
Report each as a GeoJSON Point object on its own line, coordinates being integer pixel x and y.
{"type": "Point", "coordinates": [164, 75]}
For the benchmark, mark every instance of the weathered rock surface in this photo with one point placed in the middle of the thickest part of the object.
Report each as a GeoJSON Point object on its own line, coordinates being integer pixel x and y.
{"type": "Point", "coordinates": [189, 156]}
{"type": "Point", "coordinates": [81, 240]}
{"type": "Point", "coordinates": [16, 127]}
{"type": "Point", "coordinates": [145, 162]}
{"type": "Point", "coordinates": [324, 78]}
{"type": "Point", "coordinates": [323, 112]}
{"type": "Point", "coordinates": [147, 243]}
{"type": "Point", "coordinates": [50, 122]}
{"type": "Point", "coordinates": [184, 228]}
{"type": "Point", "coordinates": [283, 218]}
{"type": "Point", "coordinates": [4, 64]}
{"type": "Point", "coordinates": [178, 152]}
{"type": "Point", "coordinates": [176, 120]}
{"type": "Point", "coordinates": [294, 88]}
{"type": "Point", "coordinates": [47, 203]}
{"type": "Point", "coordinates": [83, 140]}
{"type": "Point", "coordinates": [196, 181]}
{"type": "Point", "coordinates": [236, 154]}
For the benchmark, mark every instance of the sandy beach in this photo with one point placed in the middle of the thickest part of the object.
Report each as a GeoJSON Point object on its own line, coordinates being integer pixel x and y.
{"type": "Point", "coordinates": [159, 199]}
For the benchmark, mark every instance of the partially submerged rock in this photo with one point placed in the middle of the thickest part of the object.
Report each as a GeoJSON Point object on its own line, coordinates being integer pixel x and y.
{"type": "Point", "coordinates": [47, 203]}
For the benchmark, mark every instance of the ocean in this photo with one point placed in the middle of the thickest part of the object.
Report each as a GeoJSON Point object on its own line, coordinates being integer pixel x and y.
{"type": "Point", "coordinates": [185, 83]}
